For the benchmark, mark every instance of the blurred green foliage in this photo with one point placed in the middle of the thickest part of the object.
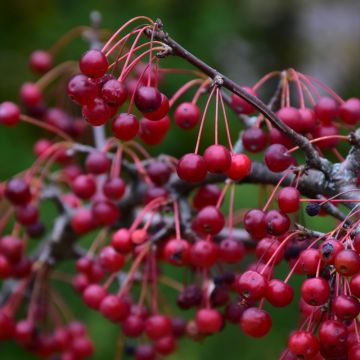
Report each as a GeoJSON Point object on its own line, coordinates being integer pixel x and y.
{"type": "Point", "coordinates": [204, 27]}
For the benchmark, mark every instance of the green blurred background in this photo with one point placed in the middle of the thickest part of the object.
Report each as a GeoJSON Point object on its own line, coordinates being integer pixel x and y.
{"type": "Point", "coordinates": [244, 39]}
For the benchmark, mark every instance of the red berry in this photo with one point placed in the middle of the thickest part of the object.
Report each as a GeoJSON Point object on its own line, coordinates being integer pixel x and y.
{"type": "Point", "coordinates": [177, 252]}
{"type": "Point", "coordinates": [277, 222]}
{"type": "Point", "coordinates": [326, 130]}
{"type": "Point", "coordinates": [114, 308]}
{"type": "Point", "coordinates": [133, 326]}
{"type": "Point", "coordinates": [208, 321]}
{"type": "Point", "coordinates": [114, 92]}
{"type": "Point", "coordinates": [84, 186]}
{"type": "Point", "coordinates": [125, 126]}
{"type": "Point", "coordinates": [192, 168]}
{"type": "Point", "coordinates": [209, 220]}
{"type": "Point", "coordinates": [279, 293]}
{"type": "Point", "coordinates": [346, 307]}
{"type": "Point", "coordinates": [110, 259]}
{"type": "Point", "coordinates": [82, 90]}
{"type": "Point", "coordinates": [332, 333]}
{"type": "Point", "coordinates": [206, 195]}
{"type": "Point", "coordinates": [93, 295]}
{"type": "Point", "coordinates": [9, 113]}
{"type": "Point", "coordinates": [308, 120]}
{"type": "Point", "coordinates": [303, 344]}
{"type": "Point", "coordinates": [165, 345]}
{"type": "Point", "coordinates": [326, 109]}
{"type": "Point", "coordinates": [97, 112]}
{"type": "Point", "coordinates": [347, 262]}
{"type": "Point", "coordinates": [157, 326]}
{"type": "Point", "coordinates": [154, 132]}
{"type": "Point", "coordinates": [291, 117]}
{"type": "Point", "coordinates": [187, 115]}
{"type": "Point", "coordinates": [40, 61]}
{"type": "Point", "coordinates": [114, 188]}
{"type": "Point", "coordinates": [289, 199]}
{"type": "Point", "coordinates": [350, 111]}
{"type": "Point", "coordinates": [105, 212]}
{"type": "Point", "coordinates": [147, 99]}
{"type": "Point", "coordinates": [161, 111]}
{"type": "Point", "coordinates": [203, 254]}
{"type": "Point", "coordinates": [254, 139]}
{"type": "Point", "coordinates": [255, 223]}
{"type": "Point", "coordinates": [97, 163]}
{"type": "Point", "coordinates": [255, 322]}
{"type": "Point", "coordinates": [94, 63]}
{"type": "Point", "coordinates": [251, 285]}
{"type": "Point", "coordinates": [231, 251]}
{"type": "Point", "coordinates": [240, 167]}
{"type": "Point", "coordinates": [277, 158]}
{"type": "Point", "coordinates": [315, 291]}
{"type": "Point", "coordinates": [17, 191]}
{"type": "Point", "coordinates": [217, 159]}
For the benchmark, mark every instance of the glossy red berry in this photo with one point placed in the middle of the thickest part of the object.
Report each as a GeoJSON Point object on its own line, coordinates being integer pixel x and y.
{"type": "Point", "coordinates": [94, 63]}
{"type": "Point", "coordinates": [206, 195]}
{"type": "Point", "coordinates": [159, 172]}
{"type": "Point", "coordinates": [323, 131]}
{"type": "Point", "coordinates": [291, 117]}
{"type": "Point", "coordinates": [254, 139]}
{"type": "Point", "coordinates": [97, 163]}
{"type": "Point", "coordinates": [114, 308]}
{"type": "Point", "coordinates": [255, 223]}
{"type": "Point", "coordinates": [329, 249]}
{"type": "Point", "coordinates": [154, 132]}
{"type": "Point", "coordinates": [82, 90]}
{"type": "Point", "coordinates": [161, 111]}
{"type": "Point", "coordinates": [177, 252]}
{"type": "Point", "coordinates": [114, 188]}
{"type": "Point", "coordinates": [209, 220]}
{"type": "Point", "coordinates": [125, 126]}
{"type": "Point", "coordinates": [277, 223]}
{"type": "Point", "coordinates": [17, 191]}
{"type": "Point", "coordinates": [204, 254]}
{"type": "Point", "coordinates": [114, 92]}
{"type": "Point", "coordinates": [303, 344]}
{"type": "Point", "coordinates": [231, 251]}
{"type": "Point", "coordinates": [308, 120]}
{"type": "Point", "coordinates": [105, 212]}
{"type": "Point", "coordinates": [97, 112]}
{"type": "Point", "coordinates": [289, 199]}
{"type": "Point", "coordinates": [279, 293]}
{"type": "Point", "coordinates": [84, 186]}
{"type": "Point", "coordinates": [9, 113]}
{"type": "Point", "coordinates": [157, 326]}
{"type": "Point", "coordinates": [277, 158]}
{"type": "Point", "coordinates": [251, 285]}
{"type": "Point", "coordinates": [350, 111]}
{"type": "Point", "coordinates": [346, 307]}
{"type": "Point", "coordinates": [110, 259]}
{"type": "Point", "coordinates": [147, 99]}
{"type": "Point", "coordinates": [165, 345]}
{"type": "Point", "coordinates": [187, 115]}
{"type": "Point", "coordinates": [192, 168]}
{"type": "Point", "coordinates": [31, 95]}
{"type": "Point", "coordinates": [93, 295]}
{"type": "Point", "coordinates": [240, 167]}
{"type": "Point", "coordinates": [315, 291]}
{"type": "Point", "coordinates": [255, 322]}
{"type": "Point", "coordinates": [347, 262]}
{"type": "Point", "coordinates": [208, 321]}
{"type": "Point", "coordinates": [326, 109]}
{"type": "Point", "coordinates": [40, 61]}
{"type": "Point", "coordinates": [217, 159]}
{"type": "Point", "coordinates": [133, 326]}
{"type": "Point", "coordinates": [309, 261]}
{"type": "Point", "coordinates": [332, 333]}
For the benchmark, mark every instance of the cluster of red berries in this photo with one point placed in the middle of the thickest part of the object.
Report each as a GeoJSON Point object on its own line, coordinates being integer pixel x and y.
{"type": "Point", "coordinates": [146, 214]}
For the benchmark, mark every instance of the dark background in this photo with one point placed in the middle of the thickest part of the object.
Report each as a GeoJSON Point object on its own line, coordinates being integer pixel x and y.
{"type": "Point", "coordinates": [244, 39]}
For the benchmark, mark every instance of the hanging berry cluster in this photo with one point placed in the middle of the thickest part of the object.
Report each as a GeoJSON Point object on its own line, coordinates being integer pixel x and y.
{"type": "Point", "coordinates": [138, 224]}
